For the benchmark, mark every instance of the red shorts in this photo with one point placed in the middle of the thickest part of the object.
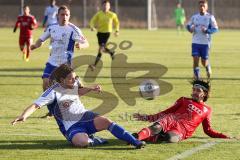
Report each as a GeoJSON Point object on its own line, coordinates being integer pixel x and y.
{"type": "Point", "coordinates": [170, 124]}
{"type": "Point", "coordinates": [25, 40]}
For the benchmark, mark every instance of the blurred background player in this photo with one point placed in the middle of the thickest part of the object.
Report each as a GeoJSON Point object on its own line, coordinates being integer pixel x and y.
{"type": "Point", "coordinates": [103, 21]}
{"type": "Point", "coordinates": [27, 23]}
{"type": "Point", "coordinates": [74, 121]}
{"type": "Point", "coordinates": [202, 25]}
{"type": "Point", "coordinates": [179, 15]}
{"type": "Point", "coordinates": [181, 120]}
{"type": "Point", "coordinates": [63, 36]}
{"type": "Point", "coordinates": [50, 14]}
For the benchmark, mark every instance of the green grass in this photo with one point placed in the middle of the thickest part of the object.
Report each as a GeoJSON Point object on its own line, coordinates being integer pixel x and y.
{"type": "Point", "coordinates": [20, 84]}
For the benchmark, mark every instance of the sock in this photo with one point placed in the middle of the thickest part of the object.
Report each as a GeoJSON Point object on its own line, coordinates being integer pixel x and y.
{"type": "Point", "coordinates": [98, 58]}
{"type": "Point", "coordinates": [144, 134]}
{"type": "Point", "coordinates": [122, 134]}
{"type": "Point", "coordinates": [208, 68]}
{"type": "Point", "coordinates": [109, 51]}
{"type": "Point", "coordinates": [196, 72]}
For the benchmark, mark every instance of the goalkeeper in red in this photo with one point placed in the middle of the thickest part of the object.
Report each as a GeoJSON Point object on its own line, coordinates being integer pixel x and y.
{"type": "Point", "coordinates": [181, 120]}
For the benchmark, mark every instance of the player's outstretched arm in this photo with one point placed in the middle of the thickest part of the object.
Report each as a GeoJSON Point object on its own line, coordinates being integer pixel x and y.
{"type": "Point", "coordinates": [84, 90]}
{"type": "Point", "coordinates": [140, 117]}
{"type": "Point", "coordinates": [38, 44]}
{"type": "Point", "coordinates": [82, 45]}
{"type": "Point", "coordinates": [26, 113]}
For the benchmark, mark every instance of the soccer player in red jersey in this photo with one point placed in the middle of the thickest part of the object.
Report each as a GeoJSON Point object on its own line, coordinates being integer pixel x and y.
{"type": "Point", "coordinates": [27, 23]}
{"type": "Point", "coordinates": [181, 120]}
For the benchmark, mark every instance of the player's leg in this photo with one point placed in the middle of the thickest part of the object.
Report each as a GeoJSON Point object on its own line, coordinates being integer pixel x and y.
{"type": "Point", "coordinates": [22, 48]}
{"type": "Point", "coordinates": [150, 131]}
{"type": "Point", "coordinates": [170, 137]}
{"type": "Point", "coordinates": [99, 55]}
{"type": "Point", "coordinates": [80, 140]}
{"type": "Point", "coordinates": [205, 61]}
{"type": "Point", "coordinates": [196, 55]}
{"type": "Point", "coordinates": [104, 44]}
{"type": "Point", "coordinates": [102, 123]}
{"type": "Point", "coordinates": [28, 44]}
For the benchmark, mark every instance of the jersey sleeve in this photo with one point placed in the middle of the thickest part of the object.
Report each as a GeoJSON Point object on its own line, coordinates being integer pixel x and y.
{"type": "Point", "coordinates": [93, 21]}
{"type": "Point", "coordinates": [206, 123]}
{"type": "Point", "coordinates": [46, 34]}
{"type": "Point", "coordinates": [78, 36]}
{"type": "Point", "coordinates": [172, 109]}
{"type": "Point", "coordinates": [16, 24]}
{"type": "Point", "coordinates": [116, 22]}
{"type": "Point", "coordinates": [190, 23]}
{"type": "Point", "coordinates": [46, 98]}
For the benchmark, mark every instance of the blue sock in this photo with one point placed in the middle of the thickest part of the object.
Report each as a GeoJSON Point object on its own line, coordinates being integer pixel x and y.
{"type": "Point", "coordinates": [196, 72]}
{"type": "Point", "coordinates": [122, 134]}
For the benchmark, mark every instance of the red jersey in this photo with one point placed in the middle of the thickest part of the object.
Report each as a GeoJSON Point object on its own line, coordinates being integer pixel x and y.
{"type": "Point", "coordinates": [184, 117]}
{"type": "Point", "coordinates": [26, 23]}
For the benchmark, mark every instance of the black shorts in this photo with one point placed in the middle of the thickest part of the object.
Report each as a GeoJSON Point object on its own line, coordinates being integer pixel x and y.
{"type": "Point", "coordinates": [103, 38]}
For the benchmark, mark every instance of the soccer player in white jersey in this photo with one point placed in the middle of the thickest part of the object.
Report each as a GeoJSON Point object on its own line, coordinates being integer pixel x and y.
{"type": "Point", "coordinates": [202, 25]}
{"type": "Point", "coordinates": [74, 121]}
{"type": "Point", "coordinates": [50, 14]}
{"type": "Point", "coordinates": [63, 36]}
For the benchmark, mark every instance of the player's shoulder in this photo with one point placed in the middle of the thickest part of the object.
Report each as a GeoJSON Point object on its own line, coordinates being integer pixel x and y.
{"type": "Point", "coordinates": [74, 27]}
{"type": "Point", "coordinates": [50, 90]}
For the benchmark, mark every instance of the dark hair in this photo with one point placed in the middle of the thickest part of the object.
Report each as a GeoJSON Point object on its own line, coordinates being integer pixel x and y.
{"type": "Point", "coordinates": [63, 7]}
{"type": "Point", "coordinates": [206, 86]}
{"type": "Point", "coordinates": [203, 1]}
{"type": "Point", "coordinates": [105, 1]}
{"type": "Point", "coordinates": [25, 6]}
{"type": "Point", "coordinates": [60, 73]}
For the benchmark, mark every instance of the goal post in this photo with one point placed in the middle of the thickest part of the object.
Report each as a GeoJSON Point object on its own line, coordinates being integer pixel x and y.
{"type": "Point", "coordinates": [151, 15]}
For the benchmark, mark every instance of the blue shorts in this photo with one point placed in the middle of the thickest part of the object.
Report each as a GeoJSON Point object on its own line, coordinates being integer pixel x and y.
{"type": "Point", "coordinates": [48, 70]}
{"type": "Point", "coordinates": [200, 50]}
{"type": "Point", "coordinates": [85, 125]}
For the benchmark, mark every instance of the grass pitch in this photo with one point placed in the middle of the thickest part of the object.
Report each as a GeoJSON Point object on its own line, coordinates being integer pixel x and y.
{"type": "Point", "coordinates": [20, 84]}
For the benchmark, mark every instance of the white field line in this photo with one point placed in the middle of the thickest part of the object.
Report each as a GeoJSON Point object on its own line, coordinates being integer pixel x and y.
{"type": "Point", "coordinates": [190, 152]}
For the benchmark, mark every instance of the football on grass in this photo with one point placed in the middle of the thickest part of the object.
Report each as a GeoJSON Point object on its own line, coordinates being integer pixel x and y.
{"type": "Point", "coordinates": [149, 89]}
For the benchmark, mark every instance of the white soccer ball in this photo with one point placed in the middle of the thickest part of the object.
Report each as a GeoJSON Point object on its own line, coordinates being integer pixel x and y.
{"type": "Point", "coordinates": [149, 89]}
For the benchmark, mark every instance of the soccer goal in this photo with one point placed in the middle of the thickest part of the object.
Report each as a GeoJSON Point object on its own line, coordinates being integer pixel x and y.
{"type": "Point", "coordinates": [152, 22]}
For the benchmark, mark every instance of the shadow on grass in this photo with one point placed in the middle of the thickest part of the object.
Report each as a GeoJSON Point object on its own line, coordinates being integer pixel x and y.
{"type": "Point", "coordinates": [113, 144]}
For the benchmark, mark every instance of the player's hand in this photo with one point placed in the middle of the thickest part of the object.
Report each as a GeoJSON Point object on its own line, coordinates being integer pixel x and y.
{"type": "Point", "coordinates": [97, 88]}
{"type": "Point", "coordinates": [18, 119]}
{"type": "Point", "coordinates": [93, 29]}
{"type": "Point", "coordinates": [235, 138]}
{"type": "Point", "coordinates": [204, 29]}
{"type": "Point", "coordinates": [33, 46]}
{"type": "Point", "coordinates": [116, 34]}
{"type": "Point", "coordinates": [140, 117]}
{"type": "Point", "coordinates": [192, 29]}
{"type": "Point", "coordinates": [77, 45]}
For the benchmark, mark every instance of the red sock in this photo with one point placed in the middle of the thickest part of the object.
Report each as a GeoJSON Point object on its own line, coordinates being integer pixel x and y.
{"type": "Point", "coordinates": [144, 133]}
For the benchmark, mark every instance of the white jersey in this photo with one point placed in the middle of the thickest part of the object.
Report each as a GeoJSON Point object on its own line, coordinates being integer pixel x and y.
{"type": "Point", "coordinates": [65, 104]}
{"type": "Point", "coordinates": [63, 39]}
{"type": "Point", "coordinates": [198, 21]}
{"type": "Point", "coordinates": [51, 13]}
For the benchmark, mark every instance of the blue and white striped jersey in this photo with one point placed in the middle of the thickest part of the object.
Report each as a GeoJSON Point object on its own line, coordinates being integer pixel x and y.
{"type": "Point", "coordinates": [198, 21]}
{"type": "Point", "coordinates": [65, 105]}
{"type": "Point", "coordinates": [63, 39]}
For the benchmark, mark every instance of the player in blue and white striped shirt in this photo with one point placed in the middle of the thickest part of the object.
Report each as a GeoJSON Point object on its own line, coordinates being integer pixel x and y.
{"type": "Point", "coordinates": [202, 25]}
{"type": "Point", "coordinates": [74, 121]}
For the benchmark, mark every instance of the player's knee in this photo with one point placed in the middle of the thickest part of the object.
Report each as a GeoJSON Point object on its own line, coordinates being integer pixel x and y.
{"type": "Point", "coordinates": [80, 140]}
{"type": "Point", "coordinates": [172, 138]}
{"type": "Point", "coordinates": [156, 128]}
